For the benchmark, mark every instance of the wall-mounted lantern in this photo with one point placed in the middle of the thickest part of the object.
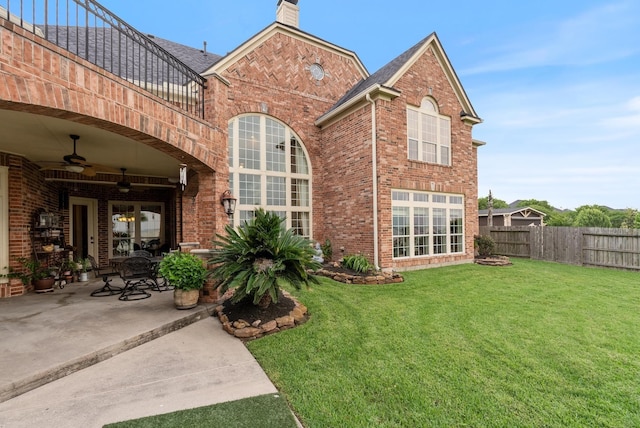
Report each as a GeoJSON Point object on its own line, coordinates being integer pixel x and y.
{"type": "Point", "coordinates": [228, 202]}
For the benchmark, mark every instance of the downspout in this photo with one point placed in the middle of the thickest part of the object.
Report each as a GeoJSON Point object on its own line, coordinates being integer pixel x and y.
{"type": "Point", "coordinates": [374, 159]}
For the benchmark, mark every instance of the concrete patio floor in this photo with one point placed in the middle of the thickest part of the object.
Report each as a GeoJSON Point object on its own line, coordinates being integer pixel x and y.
{"type": "Point", "coordinates": [71, 360]}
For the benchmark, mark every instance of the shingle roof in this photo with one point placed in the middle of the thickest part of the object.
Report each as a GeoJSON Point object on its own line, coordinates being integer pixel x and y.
{"type": "Point", "coordinates": [196, 59]}
{"type": "Point", "coordinates": [383, 75]}
{"type": "Point", "coordinates": [113, 51]}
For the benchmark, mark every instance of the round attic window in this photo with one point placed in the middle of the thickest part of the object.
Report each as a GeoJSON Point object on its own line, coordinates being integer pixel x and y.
{"type": "Point", "coordinates": [316, 71]}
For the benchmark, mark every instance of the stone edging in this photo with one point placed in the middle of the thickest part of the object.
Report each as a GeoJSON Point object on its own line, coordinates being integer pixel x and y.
{"type": "Point", "coordinates": [493, 261]}
{"type": "Point", "coordinates": [378, 278]}
{"type": "Point", "coordinates": [245, 331]}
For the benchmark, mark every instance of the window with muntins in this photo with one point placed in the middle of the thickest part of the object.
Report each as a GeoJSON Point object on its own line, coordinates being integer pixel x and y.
{"type": "Point", "coordinates": [269, 168]}
{"type": "Point", "coordinates": [427, 224]}
{"type": "Point", "coordinates": [134, 225]}
{"type": "Point", "coordinates": [428, 134]}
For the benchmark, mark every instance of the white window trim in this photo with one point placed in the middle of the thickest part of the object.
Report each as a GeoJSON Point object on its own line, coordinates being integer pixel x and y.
{"type": "Point", "coordinates": [430, 205]}
{"type": "Point", "coordinates": [235, 170]}
{"type": "Point", "coordinates": [439, 143]}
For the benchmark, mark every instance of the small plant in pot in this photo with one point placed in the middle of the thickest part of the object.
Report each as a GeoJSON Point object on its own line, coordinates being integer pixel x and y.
{"type": "Point", "coordinates": [84, 264]}
{"type": "Point", "coordinates": [37, 274]}
{"type": "Point", "coordinates": [67, 268]}
{"type": "Point", "coordinates": [186, 273]}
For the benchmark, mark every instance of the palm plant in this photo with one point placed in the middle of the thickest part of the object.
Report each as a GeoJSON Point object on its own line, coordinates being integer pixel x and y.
{"type": "Point", "coordinates": [259, 258]}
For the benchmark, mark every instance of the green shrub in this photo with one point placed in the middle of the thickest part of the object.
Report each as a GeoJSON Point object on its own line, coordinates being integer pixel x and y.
{"type": "Point", "coordinates": [260, 257]}
{"type": "Point", "coordinates": [485, 245]}
{"type": "Point", "coordinates": [357, 263]}
{"type": "Point", "coordinates": [184, 271]}
{"type": "Point", "coordinates": [327, 250]}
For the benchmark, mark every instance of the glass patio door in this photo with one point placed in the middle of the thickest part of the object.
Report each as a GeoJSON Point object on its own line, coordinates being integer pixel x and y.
{"type": "Point", "coordinates": [135, 226]}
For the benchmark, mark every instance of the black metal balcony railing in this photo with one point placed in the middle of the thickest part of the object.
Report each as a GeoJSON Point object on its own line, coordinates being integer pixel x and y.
{"type": "Point", "coordinates": [89, 30]}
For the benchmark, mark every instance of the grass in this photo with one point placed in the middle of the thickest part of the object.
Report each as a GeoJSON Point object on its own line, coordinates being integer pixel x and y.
{"type": "Point", "coordinates": [265, 411]}
{"type": "Point", "coordinates": [533, 344]}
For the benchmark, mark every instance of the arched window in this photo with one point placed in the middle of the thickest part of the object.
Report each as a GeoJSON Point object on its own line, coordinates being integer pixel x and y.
{"type": "Point", "coordinates": [269, 168]}
{"type": "Point", "coordinates": [428, 134]}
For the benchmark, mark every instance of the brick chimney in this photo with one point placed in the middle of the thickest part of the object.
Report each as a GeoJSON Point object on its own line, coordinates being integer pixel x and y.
{"type": "Point", "coordinates": [288, 12]}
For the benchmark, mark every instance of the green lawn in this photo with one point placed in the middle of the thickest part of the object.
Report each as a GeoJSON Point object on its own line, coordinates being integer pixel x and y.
{"type": "Point", "coordinates": [264, 411]}
{"type": "Point", "coordinates": [530, 345]}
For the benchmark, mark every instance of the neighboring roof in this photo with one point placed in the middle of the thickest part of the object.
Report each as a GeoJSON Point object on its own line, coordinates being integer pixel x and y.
{"type": "Point", "coordinates": [511, 211]}
{"type": "Point", "coordinates": [388, 75]}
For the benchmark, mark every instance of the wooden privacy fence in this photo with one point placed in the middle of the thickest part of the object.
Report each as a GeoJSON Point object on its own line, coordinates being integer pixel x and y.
{"type": "Point", "coordinates": [586, 246]}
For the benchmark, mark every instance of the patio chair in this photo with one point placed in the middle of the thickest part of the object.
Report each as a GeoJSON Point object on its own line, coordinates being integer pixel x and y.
{"type": "Point", "coordinates": [105, 272]}
{"type": "Point", "coordinates": [137, 273]}
{"type": "Point", "coordinates": [141, 253]}
{"type": "Point", "coordinates": [161, 283]}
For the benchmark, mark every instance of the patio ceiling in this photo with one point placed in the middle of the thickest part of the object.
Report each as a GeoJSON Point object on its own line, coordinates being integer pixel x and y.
{"type": "Point", "coordinates": [46, 139]}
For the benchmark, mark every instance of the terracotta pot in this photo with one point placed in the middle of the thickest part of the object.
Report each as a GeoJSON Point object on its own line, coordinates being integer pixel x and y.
{"type": "Point", "coordinates": [43, 285]}
{"type": "Point", "coordinates": [185, 299]}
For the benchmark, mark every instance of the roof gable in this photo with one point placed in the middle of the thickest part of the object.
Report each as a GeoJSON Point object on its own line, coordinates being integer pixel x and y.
{"type": "Point", "coordinates": [523, 211]}
{"type": "Point", "coordinates": [267, 33]}
{"type": "Point", "coordinates": [389, 74]}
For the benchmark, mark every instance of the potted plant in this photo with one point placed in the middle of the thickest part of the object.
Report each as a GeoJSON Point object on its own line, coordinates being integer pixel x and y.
{"type": "Point", "coordinates": [67, 267]}
{"type": "Point", "coordinates": [38, 274]}
{"type": "Point", "coordinates": [84, 265]}
{"type": "Point", "coordinates": [187, 273]}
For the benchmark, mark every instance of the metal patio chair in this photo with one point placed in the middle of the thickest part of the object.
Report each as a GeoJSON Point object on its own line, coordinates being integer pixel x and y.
{"type": "Point", "coordinates": [137, 273]}
{"type": "Point", "coordinates": [105, 272]}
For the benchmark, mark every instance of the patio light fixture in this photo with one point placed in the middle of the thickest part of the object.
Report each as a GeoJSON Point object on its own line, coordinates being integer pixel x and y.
{"type": "Point", "coordinates": [74, 168]}
{"type": "Point", "coordinates": [228, 202]}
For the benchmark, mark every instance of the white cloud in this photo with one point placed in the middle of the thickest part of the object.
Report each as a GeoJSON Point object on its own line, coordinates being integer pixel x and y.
{"type": "Point", "coordinates": [598, 35]}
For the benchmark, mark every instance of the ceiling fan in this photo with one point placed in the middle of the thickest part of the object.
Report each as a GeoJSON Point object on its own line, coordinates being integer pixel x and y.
{"type": "Point", "coordinates": [123, 186]}
{"type": "Point", "coordinates": [76, 163]}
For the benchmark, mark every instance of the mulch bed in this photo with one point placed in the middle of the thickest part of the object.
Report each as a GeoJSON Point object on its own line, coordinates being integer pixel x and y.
{"type": "Point", "coordinates": [251, 313]}
{"type": "Point", "coordinates": [338, 273]}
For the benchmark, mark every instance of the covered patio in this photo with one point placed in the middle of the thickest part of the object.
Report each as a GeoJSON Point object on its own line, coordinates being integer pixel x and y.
{"type": "Point", "coordinates": [77, 360]}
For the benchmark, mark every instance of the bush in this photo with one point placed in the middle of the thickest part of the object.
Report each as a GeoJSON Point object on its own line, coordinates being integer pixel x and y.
{"type": "Point", "coordinates": [327, 250]}
{"type": "Point", "coordinates": [184, 271]}
{"type": "Point", "coordinates": [485, 245]}
{"type": "Point", "coordinates": [357, 263]}
{"type": "Point", "coordinates": [260, 257]}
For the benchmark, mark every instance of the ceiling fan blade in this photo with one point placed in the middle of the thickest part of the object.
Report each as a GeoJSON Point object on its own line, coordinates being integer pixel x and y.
{"type": "Point", "coordinates": [89, 171]}
{"type": "Point", "coordinates": [47, 165]}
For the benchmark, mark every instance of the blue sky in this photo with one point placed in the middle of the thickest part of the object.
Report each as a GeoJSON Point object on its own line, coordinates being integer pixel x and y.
{"type": "Point", "coordinates": [557, 83]}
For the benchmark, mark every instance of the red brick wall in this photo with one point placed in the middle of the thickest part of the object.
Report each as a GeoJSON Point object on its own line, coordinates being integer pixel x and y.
{"type": "Point", "coordinates": [424, 78]}
{"type": "Point", "coordinates": [29, 191]}
{"type": "Point", "coordinates": [273, 79]}
{"type": "Point", "coordinates": [341, 154]}
{"type": "Point", "coordinates": [38, 77]}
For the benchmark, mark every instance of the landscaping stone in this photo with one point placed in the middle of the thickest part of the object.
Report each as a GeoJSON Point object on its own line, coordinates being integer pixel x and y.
{"type": "Point", "coordinates": [493, 261]}
{"type": "Point", "coordinates": [353, 278]}
{"type": "Point", "coordinates": [249, 330]}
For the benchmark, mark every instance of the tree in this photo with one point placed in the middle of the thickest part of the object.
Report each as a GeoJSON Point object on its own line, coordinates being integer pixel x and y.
{"type": "Point", "coordinates": [592, 217]}
{"type": "Point", "coordinates": [543, 206]}
{"type": "Point", "coordinates": [629, 218]}
{"type": "Point", "coordinates": [483, 203]}
{"type": "Point", "coordinates": [259, 258]}
{"type": "Point", "coordinates": [564, 218]}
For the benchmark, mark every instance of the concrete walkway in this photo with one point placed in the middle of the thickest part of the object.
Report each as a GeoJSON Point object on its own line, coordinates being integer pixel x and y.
{"type": "Point", "coordinates": [71, 360]}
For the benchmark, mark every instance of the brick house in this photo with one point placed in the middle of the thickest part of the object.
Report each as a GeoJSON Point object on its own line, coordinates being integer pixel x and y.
{"type": "Point", "coordinates": [382, 164]}
{"type": "Point", "coordinates": [391, 166]}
